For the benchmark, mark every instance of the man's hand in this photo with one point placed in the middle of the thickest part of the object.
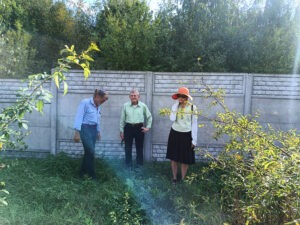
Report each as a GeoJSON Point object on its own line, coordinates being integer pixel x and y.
{"type": "Point", "coordinates": [145, 129]}
{"type": "Point", "coordinates": [76, 136]}
{"type": "Point", "coordinates": [193, 146]}
{"type": "Point", "coordinates": [122, 135]}
{"type": "Point", "coordinates": [99, 137]}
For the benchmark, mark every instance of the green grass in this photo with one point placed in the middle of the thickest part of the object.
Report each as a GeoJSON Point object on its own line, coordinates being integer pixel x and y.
{"type": "Point", "coordinates": [48, 191]}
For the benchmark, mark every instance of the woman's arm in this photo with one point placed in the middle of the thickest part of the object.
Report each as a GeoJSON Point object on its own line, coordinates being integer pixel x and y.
{"type": "Point", "coordinates": [174, 112]}
{"type": "Point", "coordinates": [194, 126]}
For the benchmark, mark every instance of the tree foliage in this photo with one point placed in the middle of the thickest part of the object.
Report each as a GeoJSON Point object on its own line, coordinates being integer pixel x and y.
{"type": "Point", "coordinates": [126, 34]}
{"type": "Point", "coordinates": [232, 36]}
{"type": "Point", "coordinates": [16, 55]}
{"type": "Point", "coordinates": [45, 26]}
{"type": "Point", "coordinates": [183, 35]}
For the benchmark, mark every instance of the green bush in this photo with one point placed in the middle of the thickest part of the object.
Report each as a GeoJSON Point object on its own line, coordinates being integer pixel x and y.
{"type": "Point", "coordinates": [126, 212]}
{"type": "Point", "coordinates": [260, 168]}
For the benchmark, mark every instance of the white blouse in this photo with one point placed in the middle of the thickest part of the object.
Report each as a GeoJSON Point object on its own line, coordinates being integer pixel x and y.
{"type": "Point", "coordinates": [185, 120]}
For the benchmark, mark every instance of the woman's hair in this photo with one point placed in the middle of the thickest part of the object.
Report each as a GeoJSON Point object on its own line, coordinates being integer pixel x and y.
{"type": "Point", "coordinates": [100, 93]}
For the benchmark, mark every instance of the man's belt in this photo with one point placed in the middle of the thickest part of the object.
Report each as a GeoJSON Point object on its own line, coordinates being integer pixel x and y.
{"type": "Point", "coordinates": [135, 124]}
{"type": "Point", "coordinates": [89, 125]}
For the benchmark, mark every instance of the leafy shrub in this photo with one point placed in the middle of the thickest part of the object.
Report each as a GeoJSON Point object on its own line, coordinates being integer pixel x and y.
{"type": "Point", "coordinates": [260, 168]}
{"type": "Point", "coordinates": [126, 212]}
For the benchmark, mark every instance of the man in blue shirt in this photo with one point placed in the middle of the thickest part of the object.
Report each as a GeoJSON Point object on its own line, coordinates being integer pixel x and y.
{"type": "Point", "coordinates": [87, 128]}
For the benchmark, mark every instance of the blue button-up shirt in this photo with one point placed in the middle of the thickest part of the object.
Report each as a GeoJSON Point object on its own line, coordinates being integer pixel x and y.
{"type": "Point", "coordinates": [87, 113]}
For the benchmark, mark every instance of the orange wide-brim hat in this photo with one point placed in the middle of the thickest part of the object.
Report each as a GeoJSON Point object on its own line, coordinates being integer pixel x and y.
{"type": "Point", "coordinates": [182, 91]}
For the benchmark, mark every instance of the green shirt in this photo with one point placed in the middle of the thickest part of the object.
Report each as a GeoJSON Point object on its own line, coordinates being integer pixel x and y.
{"type": "Point", "coordinates": [135, 114]}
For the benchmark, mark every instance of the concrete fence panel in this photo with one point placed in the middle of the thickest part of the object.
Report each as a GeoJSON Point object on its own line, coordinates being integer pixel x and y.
{"type": "Point", "coordinates": [275, 97]}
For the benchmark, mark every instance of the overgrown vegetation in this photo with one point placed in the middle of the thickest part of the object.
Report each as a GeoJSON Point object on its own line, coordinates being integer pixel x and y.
{"type": "Point", "coordinates": [261, 168]}
{"type": "Point", "coordinates": [258, 168]}
{"type": "Point", "coordinates": [48, 191]}
{"type": "Point", "coordinates": [33, 97]}
{"type": "Point", "coordinates": [256, 178]}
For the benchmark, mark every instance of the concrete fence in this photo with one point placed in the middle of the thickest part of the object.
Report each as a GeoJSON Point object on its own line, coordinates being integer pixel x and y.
{"type": "Point", "coordinates": [275, 97]}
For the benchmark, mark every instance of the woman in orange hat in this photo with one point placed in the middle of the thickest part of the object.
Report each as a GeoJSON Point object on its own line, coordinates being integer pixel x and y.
{"type": "Point", "coordinates": [183, 134]}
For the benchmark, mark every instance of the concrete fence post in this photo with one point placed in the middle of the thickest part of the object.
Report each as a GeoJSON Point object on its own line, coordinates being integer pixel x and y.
{"type": "Point", "coordinates": [149, 97]}
{"type": "Point", "coordinates": [53, 117]}
{"type": "Point", "coordinates": [248, 93]}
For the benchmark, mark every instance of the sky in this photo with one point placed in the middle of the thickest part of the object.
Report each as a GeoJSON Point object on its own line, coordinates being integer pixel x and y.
{"type": "Point", "coordinates": [153, 4]}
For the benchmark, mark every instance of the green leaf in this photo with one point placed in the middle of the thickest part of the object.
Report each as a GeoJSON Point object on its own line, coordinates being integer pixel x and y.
{"type": "Point", "coordinates": [269, 164]}
{"type": "Point", "coordinates": [71, 58]}
{"type": "Point", "coordinates": [40, 106]}
{"type": "Point", "coordinates": [65, 88]}
{"type": "Point", "coordinates": [86, 72]}
{"type": "Point", "coordinates": [25, 126]}
{"type": "Point", "coordinates": [3, 202]}
{"type": "Point", "coordinates": [55, 78]}
{"type": "Point", "coordinates": [5, 191]}
{"type": "Point", "coordinates": [94, 47]}
{"type": "Point", "coordinates": [87, 57]}
{"type": "Point", "coordinates": [83, 65]}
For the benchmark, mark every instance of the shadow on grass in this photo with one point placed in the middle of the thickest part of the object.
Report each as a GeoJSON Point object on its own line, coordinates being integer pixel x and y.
{"type": "Point", "coordinates": [49, 191]}
{"type": "Point", "coordinates": [164, 203]}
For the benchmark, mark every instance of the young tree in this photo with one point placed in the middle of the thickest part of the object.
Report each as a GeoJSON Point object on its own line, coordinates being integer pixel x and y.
{"type": "Point", "coordinates": [163, 56]}
{"type": "Point", "coordinates": [48, 26]}
{"type": "Point", "coordinates": [197, 33]}
{"type": "Point", "coordinates": [16, 55]}
{"type": "Point", "coordinates": [274, 38]}
{"type": "Point", "coordinates": [125, 33]}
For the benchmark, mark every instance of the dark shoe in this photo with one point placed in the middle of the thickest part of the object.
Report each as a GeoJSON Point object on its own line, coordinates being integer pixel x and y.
{"type": "Point", "coordinates": [81, 175]}
{"type": "Point", "coordinates": [174, 182]}
{"type": "Point", "coordinates": [128, 167]}
{"type": "Point", "coordinates": [137, 169]}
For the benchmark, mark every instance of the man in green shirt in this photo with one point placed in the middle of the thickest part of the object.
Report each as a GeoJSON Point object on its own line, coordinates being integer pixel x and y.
{"type": "Point", "coordinates": [133, 116]}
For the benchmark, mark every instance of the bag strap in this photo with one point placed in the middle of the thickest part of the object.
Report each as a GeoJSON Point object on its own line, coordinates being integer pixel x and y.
{"type": "Point", "coordinates": [192, 107]}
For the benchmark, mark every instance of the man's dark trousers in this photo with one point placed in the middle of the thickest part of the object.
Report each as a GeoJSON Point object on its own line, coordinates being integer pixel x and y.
{"type": "Point", "coordinates": [134, 131]}
{"type": "Point", "coordinates": [88, 135]}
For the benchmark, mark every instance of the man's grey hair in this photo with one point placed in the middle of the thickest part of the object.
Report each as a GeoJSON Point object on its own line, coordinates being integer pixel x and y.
{"type": "Point", "coordinates": [135, 91]}
{"type": "Point", "coordinates": [100, 93]}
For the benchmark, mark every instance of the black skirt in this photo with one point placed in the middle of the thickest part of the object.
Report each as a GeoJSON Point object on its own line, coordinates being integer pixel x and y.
{"type": "Point", "coordinates": [180, 147]}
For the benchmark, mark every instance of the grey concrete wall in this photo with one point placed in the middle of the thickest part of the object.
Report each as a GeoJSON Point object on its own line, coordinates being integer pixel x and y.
{"type": "Point", "coordinates": [275, 97]}
{"type": "Point", "coordinates": [39, 140]}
